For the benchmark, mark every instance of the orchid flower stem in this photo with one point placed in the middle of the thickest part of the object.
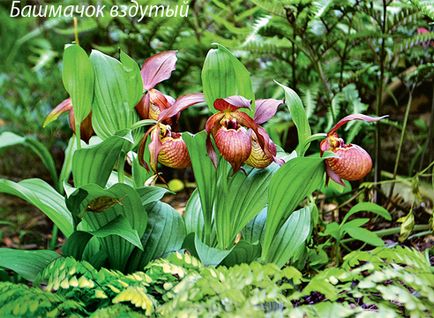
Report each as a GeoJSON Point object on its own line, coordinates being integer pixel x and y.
{"type": "Point", "coordinates": [78, 135]}
{"type": "Point", "coordinates": [401, 141]}
{"type": "Point", "coordinates": [76, 31]}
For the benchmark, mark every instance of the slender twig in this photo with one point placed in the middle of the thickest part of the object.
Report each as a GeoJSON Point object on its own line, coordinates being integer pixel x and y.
{"type": "Point", "coordinates": [401, 140]}
{"type": "Point", "coordinates": [76, 31]}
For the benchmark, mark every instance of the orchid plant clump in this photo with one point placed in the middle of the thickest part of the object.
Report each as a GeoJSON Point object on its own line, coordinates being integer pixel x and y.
{"type": "Point", "coordinates": [252, 202]}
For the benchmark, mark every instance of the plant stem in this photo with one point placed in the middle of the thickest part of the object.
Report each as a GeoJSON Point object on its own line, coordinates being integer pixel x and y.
{"type": "Point", "coordinates": [401, 140]}
{"type": "Point", "coordinates": [76, 31]}
{"type": "Point", "coordinates": [54, 234]}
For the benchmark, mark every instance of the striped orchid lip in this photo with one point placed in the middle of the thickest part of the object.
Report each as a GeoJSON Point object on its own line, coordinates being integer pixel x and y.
{"type": "Point", "coordinates": [238, 137]}
{"type": "Point", "coordinates": [351, 162]}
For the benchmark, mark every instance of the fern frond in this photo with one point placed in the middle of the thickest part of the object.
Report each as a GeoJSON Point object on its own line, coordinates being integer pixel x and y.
{"type": "Point", "coordinates": [18, 300]}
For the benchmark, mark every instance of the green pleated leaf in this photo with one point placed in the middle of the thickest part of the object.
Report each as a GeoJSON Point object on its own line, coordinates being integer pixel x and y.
{"type": "Point", "coordinates": [76, 244]}
{"type": "Point", "coordinates": [223, 75]}
{"type": "Point", "coordinates": [295, 180]}
{"type": "Point", "coordinates": [132, 70]}
{"type": "Point", "coordinates": [243, 252]}
{"type": "Point", "coordinates": [241, 199]}
{"type": "Point", "coordinates": [205, 174]}
{"type": "Point", "coordinates": [8, 139]}
{"type": "Point", "coordinates": [116, 90]}
{"type": "Point", "coordinates": [291, 236]}
{"type": "Point", "coordinates": [40, 194]}
{"type": "Point", "coordinates": [193, 216]}
{"type": "Point", "coordinates": [298, 114]}
{"type": "Point", "coordinates": [98, 207]}
{"type": "Point", "coordinates": [165, 233]}
{"type": "Point", "coordinates": [78, 79]}
{"type": "Point", "coordinates": [94, 164]}
{"type": "Point", "coordinates": [209, 256]}
{"type": "Point", "coordinates": [254, 230]}
{"type": "Point", "coordinates": [28, 264]}
{"type": "Point", "coordinates": [151, 194]}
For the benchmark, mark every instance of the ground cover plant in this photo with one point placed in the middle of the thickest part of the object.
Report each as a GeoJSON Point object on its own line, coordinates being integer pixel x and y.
{"type": "Point", "coordinates": [276, 220]}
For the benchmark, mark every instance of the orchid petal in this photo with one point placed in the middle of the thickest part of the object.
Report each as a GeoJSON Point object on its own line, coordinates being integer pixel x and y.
{"type": "Point", "coordinates": [158, 68]}
{"type": "Point", "coordinates": [180, 104]}
{"type": "Point", "coordinates": [348, 118]}
{"type": "Point", "coordinates": [330, 174]}
{"type": "Point", "coordinates": [142, 107]}
{"type": "Point", "coordinates": [86, 129]}
{"type": "Point", "coordinates": [213, 122]}
{"type": "Point", "coordinates": [63, 107]}
{"type": "Point", "coordinates": [265, 109]}
{"type": "Point", "coordinates": [211, 151]}
{"type": "Point", "coordinates": [231, 103]}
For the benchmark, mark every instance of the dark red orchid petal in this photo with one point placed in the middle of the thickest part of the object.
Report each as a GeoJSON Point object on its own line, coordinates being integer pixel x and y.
{"type": "Point", "coordinates": [231, 103]}
{"type": "Point", "coordinates": [86, 129]}
{"type": "Point", "coordinates": [213, 122]}
{"type": "Point", "coordinates": [154, 147]}
{"type": "Point", "coordinates": [158, 68]}
{"type": "Point", "coordinates": [246, 121]}
{"type": "Point", "coordinates": [211, 151]}
{"type": "Point", "coordinates": [63, 107]}
{"type": "Point", "coordinates": [180, 104]}
{"type": "Point", "coordinates": [265, 109]}
{"type": "Point", "coordinates": [269, 146]}
{"type": "Point", "coordinates": [142, 106]}
{"type": "Point", "coordinates": [348, 118]}
{"type": "Point", "coordinates": [330, 174]}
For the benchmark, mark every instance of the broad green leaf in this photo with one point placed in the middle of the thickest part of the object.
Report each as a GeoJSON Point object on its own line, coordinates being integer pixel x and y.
{"type": "Point", "coordinates": [135, 89]}
{"type": "Point", "coordinates": [40, 194]}
{"type": "Point", "coordinates": [98, 207]}
{"type": "Point", "coordinates": [210, 256]}
{"type": "Point", "coordinates": [78, 79]}
{"type": "Point", "coordinates": [254, 230]}
{"type": "Point", "coordinates": [368, 207]}
{"type": "Point", "coordinates": [8, 139]}
{"type": "Point", "coordinates": [76, 244]}
{"type": "Point", "coordinates": [205, 174]}
{"type": "Point", "coordinates": [243, 253]}
{"type": "Point", "coordinates": [151, 194]}
{"type": "Point", "coordinates": [223, 75]}
{"type": "Point", "coordinates": [291, 236]}
{"type": "Point", "coordinates": [295, 180]}
{"type": "Point", "coordinates": [299, 117]}
{"type": "Point", "coordinates": [165, 233]}
{"type": "Point", "coordinates": [332, 229]}
{"type": "Point", "coordinates": [94, 164]}
{"type": "Point", "coordinates": [116, 88]}
{"type": "Point", "coordinates": [28, 264]}
{"type": "Point", "coordinates": [239, 198]}
{"type": "Point", "coordinates": [193, 216]}
{"type": "Point", "coordinates": [365, 235]}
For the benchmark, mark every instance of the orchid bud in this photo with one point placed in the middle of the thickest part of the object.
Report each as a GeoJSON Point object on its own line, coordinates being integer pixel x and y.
{"type": "Point", "coordinates": [173, 152]}
{"type": "Point", "coordinates": [351, 162]}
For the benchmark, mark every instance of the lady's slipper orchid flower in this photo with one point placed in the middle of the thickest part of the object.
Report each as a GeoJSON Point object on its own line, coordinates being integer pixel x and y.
{"type": "Point", "coordinates": [239, 138]}
{"type": "Point", "coordinates": [156, 69]}
{"type": "Point", "coordinates": [351, 162]}
{"type": "Point", "coordinates": [166, 146]}
{"type": "Point", "coordinates": [86, 130]}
